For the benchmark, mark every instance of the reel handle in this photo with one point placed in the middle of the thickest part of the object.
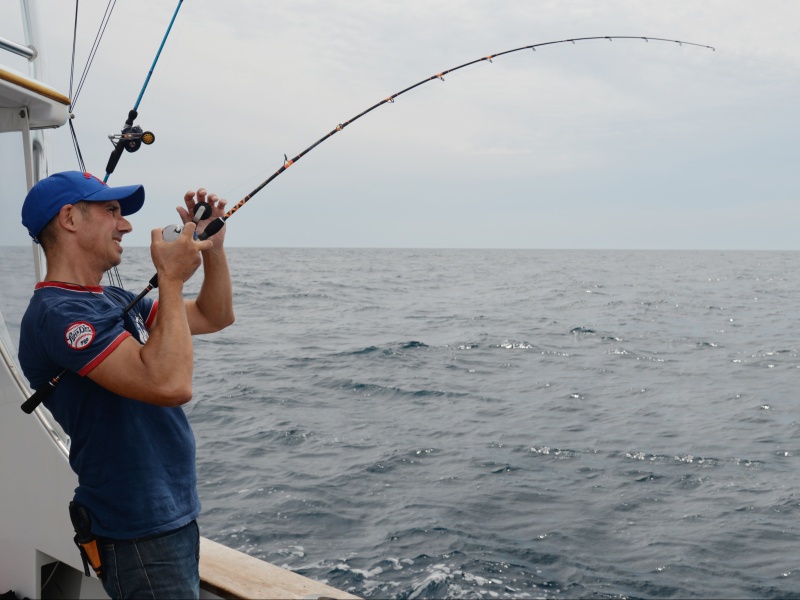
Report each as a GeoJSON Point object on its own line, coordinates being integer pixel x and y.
{"type": "Point", "coordinates": [202, 210]}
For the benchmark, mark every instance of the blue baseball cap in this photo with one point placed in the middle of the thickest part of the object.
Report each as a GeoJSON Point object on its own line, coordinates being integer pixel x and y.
{"type": "Point", "coordinates": [48, 196]}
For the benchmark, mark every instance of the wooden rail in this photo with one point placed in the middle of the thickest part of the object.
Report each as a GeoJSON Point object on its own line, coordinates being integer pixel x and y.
{"type": "Point", "coordinates": [33, 86]}
{"type": "Point", "coordinates": [228, 573]}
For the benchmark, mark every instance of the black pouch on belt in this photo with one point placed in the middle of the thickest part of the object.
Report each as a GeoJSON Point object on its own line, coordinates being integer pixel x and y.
{"type": "Point", "coordinates": [85, 539]}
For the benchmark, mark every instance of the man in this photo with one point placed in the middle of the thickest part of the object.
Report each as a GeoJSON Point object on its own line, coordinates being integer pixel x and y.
{"type": "Point", "coordinates": [128, 374]}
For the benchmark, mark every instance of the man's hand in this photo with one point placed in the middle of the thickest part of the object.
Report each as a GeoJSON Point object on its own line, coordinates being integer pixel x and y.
{"type": "Point", "coordinates": [177, 260]}
{"type": "Point", "coordinates": [217, 210]}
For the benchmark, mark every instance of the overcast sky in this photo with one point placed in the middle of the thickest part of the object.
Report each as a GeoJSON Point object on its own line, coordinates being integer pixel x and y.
{"type": "Point", "coordinates": [622, 144]}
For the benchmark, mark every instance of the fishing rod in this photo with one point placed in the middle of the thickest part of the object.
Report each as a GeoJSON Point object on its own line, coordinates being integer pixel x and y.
{"type": "Point", "coordinates": [132, 136]}
{"type": "Point", "coordinates": [217, 224]}
{"type": "Point", "coordinates": [390, 99]}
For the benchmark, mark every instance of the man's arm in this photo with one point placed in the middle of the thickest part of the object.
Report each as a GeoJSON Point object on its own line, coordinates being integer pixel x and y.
{"type": "Point", "coordinates": [160, 371]}
{"type": "Point", "coordinates": [212, 310]}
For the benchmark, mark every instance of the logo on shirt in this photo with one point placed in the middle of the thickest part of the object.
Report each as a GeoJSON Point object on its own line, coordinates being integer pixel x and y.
{"type": "Point", "coordinates": [141, 328]}
{"type": "Point", "coordinates": [79, 335]}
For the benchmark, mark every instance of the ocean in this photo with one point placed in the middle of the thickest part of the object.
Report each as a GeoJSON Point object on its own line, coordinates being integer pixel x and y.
{"type": "Point", "coordinates": [506, 423]}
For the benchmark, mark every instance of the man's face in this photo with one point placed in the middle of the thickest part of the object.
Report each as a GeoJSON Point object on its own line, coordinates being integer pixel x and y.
{"type": "Point", "coordinates": [101, 229]}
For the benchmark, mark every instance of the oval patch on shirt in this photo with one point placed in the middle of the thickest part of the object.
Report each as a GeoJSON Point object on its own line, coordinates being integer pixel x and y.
{"type": "Point", "coordinates": [79, 335]}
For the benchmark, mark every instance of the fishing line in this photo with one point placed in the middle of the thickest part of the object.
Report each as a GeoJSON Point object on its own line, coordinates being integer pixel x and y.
{"type": "Point", "coordinates": [217, 224]}
{"type": "Point", "coordinates": [92, 52]}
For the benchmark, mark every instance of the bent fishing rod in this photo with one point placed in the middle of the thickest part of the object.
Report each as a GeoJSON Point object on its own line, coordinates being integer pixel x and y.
{"type": "Point", "coordinates": [214, 226]}
{"type": "Point", "coordinates": [217, 224]}
{"type": "Point", "coordinates": [390, 99]}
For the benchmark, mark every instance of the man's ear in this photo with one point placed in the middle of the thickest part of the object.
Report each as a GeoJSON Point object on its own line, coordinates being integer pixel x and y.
{"type": "Point", "coordinates": [68, 217]}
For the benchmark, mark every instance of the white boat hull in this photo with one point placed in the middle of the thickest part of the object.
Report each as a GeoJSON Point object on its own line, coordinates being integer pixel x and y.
{"type": "Point", "coordinates": [37, 555]}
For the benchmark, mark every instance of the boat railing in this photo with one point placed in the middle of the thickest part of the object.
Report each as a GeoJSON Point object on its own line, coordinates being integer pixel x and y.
{"type": "Point", "coordinates": [54, 430]}
{"type": "Point", "coordinates": [18, 49]}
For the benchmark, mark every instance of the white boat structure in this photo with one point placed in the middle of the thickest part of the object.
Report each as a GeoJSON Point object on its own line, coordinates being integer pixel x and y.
{"type": "Point", "coordinates": [38, 558]}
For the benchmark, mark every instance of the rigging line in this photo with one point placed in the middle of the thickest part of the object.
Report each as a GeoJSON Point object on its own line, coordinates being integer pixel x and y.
{"type": "Point", "coordinates": [72, 61]}
{"type": "Point", "coordinates": [73, 134]}
{"type": "Point", "coordinates": [289, 162]}
{"type": "Point", "coordinates": [95, 46]}
{"type": "Point", "coordinates": [114, 277]}
{"type": "Point", "coordinates": [77, 147]}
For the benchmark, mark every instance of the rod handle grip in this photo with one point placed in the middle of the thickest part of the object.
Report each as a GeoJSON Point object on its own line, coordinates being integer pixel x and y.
{"type": "Point", "coordinates": [41, 394]}
{"type": "Point", "coordinates": [212, 228]}
{"type": "Point", "coordinates": [114, 158]}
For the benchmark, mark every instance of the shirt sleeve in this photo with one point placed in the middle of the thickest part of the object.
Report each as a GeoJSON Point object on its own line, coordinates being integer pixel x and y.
{"type": "Point", "coordinates": [151, 313]}
{"type": "Point", "coordinates": [83, 333]}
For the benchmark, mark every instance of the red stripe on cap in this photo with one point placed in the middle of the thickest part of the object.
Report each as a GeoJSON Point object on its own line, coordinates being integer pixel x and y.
{"type": "Point", "coordinates": [88, 175]}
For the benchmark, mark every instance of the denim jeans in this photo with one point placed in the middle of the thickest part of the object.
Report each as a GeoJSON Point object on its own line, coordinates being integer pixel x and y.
{"type": "Point", "coordinates": [161, 567]}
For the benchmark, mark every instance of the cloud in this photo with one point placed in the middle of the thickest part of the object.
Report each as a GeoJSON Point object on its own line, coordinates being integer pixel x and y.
{"type": "Point", "coordinates": [240, 84]}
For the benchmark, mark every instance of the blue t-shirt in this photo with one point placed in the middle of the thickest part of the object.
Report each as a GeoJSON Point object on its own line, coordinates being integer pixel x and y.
{"type": "Point", "coordinates": [135, 461]}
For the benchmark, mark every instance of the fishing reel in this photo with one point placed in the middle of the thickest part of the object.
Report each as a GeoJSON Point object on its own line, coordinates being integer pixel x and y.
{"type": "Point", "coordinates": [202, 210]}
{"type": "Point", "coordinates": [132, 138]}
